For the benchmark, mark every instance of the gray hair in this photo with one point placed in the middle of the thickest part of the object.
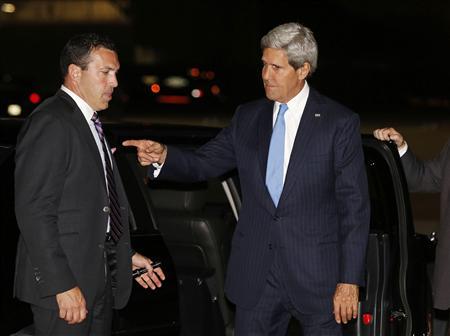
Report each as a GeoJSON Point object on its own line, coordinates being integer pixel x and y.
{"type": "Point", "coordinates": [298, 41]}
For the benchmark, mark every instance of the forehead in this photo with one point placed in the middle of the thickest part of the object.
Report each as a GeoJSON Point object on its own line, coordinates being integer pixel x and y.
{"type": "Point", "coordinates": [272, 55]}
{"type": "Point", "coordinates": [103, 57]}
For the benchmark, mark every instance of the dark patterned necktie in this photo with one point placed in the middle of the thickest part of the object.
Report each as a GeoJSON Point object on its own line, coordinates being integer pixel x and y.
{"type": "Point", "coordinates": [114, 213]}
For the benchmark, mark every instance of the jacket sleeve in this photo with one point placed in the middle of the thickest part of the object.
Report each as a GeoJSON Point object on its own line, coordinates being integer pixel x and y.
{"type": "Point", "coordinates": [213, 159]}
{"type": "Point", "coordinates": [425, 176]}
{"type": "Point", "coordinates": [41, 159]}
{"type": "Point", "coordinates": [353, 201]}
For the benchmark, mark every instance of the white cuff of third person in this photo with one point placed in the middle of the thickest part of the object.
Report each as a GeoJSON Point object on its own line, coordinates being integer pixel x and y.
{"type": "Point", "coordinates": [401, 151]}
{"type": "Point", "coordinates": [157, 169]}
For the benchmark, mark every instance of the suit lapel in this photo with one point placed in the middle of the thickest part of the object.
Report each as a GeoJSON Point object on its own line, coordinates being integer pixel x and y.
{"type": "Point", "coordinates": [306, 129]}
{"type": "Point", "coordinates": [265, 127]}
{"type": "Point", "coordinates": [85, 133]}
{"type": "Point", "coordinates": [264, 134]}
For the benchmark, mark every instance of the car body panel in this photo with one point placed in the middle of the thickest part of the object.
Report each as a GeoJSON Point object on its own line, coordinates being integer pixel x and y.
{"type": "Point", "coordinates": [397, 294]}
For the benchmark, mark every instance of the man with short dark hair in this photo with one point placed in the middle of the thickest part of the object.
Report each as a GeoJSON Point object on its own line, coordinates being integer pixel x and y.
{"type": "Point", "coordinates": [300, 243]}
{"type": "Point", "coordinates": [74, 258]}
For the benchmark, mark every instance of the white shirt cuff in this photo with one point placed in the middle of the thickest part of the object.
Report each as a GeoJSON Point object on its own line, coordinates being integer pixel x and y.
{"type": "Point", "coordinates": [157, 169]}
{"type": "Point", "coordinates": [401, 151]}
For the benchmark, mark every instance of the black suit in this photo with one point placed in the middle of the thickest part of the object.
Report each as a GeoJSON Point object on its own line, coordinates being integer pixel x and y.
{"type": "Point", "coordinates": [434, 176]}
{"type": "Point", "coordinates": [62, 209]}
{"type": "Point", "coordinates": [318, 233]}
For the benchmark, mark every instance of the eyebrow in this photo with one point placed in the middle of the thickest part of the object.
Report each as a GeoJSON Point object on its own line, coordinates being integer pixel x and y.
{"type": "Point", "coordinates": [273, 64]}
{"type": "Point", "coordinates": [109, 68]}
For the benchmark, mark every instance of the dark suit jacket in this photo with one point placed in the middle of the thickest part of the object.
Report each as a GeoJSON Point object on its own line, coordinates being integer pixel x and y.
{"type": "Point", "coordinates": [434, 176]}
{"type": "Point", "coordinates": [320, 227]}
{"type": "Point", "coordinates": [61, 208]}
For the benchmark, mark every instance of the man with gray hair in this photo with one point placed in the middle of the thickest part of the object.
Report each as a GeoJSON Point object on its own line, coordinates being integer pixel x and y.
{"type": "Point", "coordinates": [299, 246]}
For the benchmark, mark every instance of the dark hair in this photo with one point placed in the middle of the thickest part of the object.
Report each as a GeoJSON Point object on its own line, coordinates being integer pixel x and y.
{"type": "Point", "coordinates": [78, 49]}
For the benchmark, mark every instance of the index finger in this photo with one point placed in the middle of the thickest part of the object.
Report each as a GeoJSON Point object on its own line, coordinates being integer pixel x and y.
{"type": "Point", "coordinates": [135, 143]}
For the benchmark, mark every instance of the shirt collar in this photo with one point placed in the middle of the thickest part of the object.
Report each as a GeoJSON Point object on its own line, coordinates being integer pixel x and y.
{"type": "Point", "coordinates": [87, 111]}
{"type": "Point", "coordinates": [300, 97]}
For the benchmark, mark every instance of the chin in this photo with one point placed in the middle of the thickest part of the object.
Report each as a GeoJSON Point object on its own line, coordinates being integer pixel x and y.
{"type": "Point", "coordinates": [103, 107]}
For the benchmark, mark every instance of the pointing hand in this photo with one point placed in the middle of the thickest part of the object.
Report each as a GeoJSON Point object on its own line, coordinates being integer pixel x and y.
{"type": "Point", "coordinates": [148, 151]}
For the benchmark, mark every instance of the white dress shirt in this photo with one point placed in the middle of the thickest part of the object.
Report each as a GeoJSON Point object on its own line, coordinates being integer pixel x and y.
{"type": "Point", "coordinates": [292, 117]}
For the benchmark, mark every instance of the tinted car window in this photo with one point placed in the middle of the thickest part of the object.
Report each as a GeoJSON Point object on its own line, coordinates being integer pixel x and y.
{"type": "Point", "coordinates": [381, 190]}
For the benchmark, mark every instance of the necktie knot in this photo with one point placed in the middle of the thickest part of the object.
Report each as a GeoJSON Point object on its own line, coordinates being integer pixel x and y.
{"type": "Point", "coordinates": [283, 109]}
{"type": "Point", "coordinates": [98, 126]}
{"type": "Point", "coordinates": [95, 117]}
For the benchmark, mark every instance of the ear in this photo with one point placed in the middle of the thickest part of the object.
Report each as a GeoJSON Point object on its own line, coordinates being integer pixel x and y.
{"type": "Point", "coordinates": [74, 72]}
{"type": "Point", "coordinates": [303, 71]}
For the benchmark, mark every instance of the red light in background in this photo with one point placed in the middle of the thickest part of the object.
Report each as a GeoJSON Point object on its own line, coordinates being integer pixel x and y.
{"type": "Point", "coordinates": [34, 98]}
{"type": "Point", "coordinates": [215, 90]}
{"type": "Point", "coordinates": [178, 100]}
{"type": "Point", "coordinates": [367, 319]}
{"type": "Point", "coordinates": [194, 72]}
{"type": "Point", "coordinates": [210, 75]}
{"type": "Point", "coordinates": [155, 88]}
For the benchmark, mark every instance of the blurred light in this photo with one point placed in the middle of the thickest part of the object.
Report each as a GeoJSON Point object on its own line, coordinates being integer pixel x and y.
{"type": "Point", "coordinates": [210, 75]}
{"type": "Point", "coordinates": [176, 82]}
{"type": "Point", "coordinates": [196, 93]}
{"type": "Point", "coordinates": [149, 79]}
{"type": "Point", "coordinates": [367, 319]}
{"type": "Point", "coordinates": [8, 8]}
{"type": "Point", "coordinates": [155, 88]}
{"type": "Point", "coordinates": [14, 110]}
{"type": "Point", "coordinates": [215, 90]}
{"type": "Point", "coordinates": [35, 98]}
{"type": "Point", "coordinates": [194, 72]}
{"type": "Point", "coordinates": [181, 100]}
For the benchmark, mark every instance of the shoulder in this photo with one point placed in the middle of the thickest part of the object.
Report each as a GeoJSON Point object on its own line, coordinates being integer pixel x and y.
{"type": "Point", "coordinates": [253, 109]}
{"type": "Point", "coordinates": [330, 106]}
{"type": "Point", "coordinates": [58, 107]}
{"type": "Point", "coordinates": [53, 114]}
{"type": "Point", "coordinates": [59, 103]}
{"type": "Point", "coordinates": [256, 104]}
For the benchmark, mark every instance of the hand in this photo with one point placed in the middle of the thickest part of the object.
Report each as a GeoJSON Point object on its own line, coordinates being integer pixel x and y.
{"type": "Point", "coordinates": [389, 133]}
{"type": "Point", "coordinates": [345, 302]}
{"type": "Point", "coordinates": [72, 305]}
{"type": "Point", "coordinates": [148, 151]}
{"type": "Point", "coordinates": [150, 279]}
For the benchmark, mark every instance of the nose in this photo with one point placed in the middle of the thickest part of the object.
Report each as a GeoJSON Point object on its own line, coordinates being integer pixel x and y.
{"type": "Point", "coordinates": [265, 73]}
{"type": "Point", "coordinates": [113, 81]}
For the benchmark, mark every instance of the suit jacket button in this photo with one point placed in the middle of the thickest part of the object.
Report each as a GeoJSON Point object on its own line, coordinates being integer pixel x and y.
{"type": "Point", "coordinates": [106, 209]}
{"type": "Point", "coordinates": [270, 246]}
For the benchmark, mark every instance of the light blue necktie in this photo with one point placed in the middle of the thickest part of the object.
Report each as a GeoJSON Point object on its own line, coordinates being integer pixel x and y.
{"type": "Point", "coordinates": [275, 161]}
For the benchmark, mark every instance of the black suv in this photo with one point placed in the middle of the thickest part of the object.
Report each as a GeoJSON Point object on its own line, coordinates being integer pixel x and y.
{"type": "Point", "coordinates": [188, 226]}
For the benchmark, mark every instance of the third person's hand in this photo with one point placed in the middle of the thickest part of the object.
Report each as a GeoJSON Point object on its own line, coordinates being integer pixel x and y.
{"type": "Point", "coordinates": [389, 133]}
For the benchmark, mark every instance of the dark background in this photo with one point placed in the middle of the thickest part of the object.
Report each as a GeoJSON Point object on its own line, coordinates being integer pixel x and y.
{"type": "Point", "coordinates": [374, 56]}
{"type": "Point", "coordinates": [388, 59]}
